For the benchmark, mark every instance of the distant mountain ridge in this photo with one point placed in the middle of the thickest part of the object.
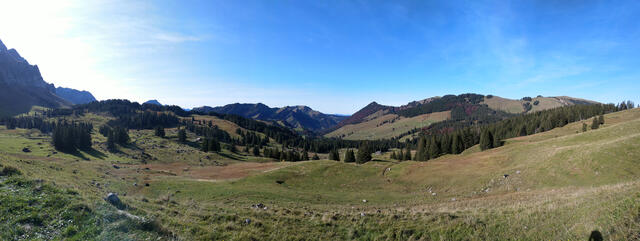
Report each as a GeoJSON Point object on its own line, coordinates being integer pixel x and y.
{"type": "Point", "coordinates": [75, 96]}
{"type": "Point", "coordinates": [391, 121]}
{"type": "Point", "coordinates": [300, 117]}
{"type": "Point", "coordinates": [153, 102]}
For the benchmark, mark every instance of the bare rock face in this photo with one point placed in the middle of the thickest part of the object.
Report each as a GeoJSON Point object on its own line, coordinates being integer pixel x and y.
{"type": "Point", "coordinates": [22, 85]}
{"type": "Point", "coordinates": [15, 70]}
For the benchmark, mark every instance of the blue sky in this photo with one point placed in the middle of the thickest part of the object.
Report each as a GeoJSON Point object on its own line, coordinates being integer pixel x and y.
{"type": "Point", "coordinates": [334, 56]}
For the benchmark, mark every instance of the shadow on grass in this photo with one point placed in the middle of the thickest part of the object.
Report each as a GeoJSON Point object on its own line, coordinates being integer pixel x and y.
{"type": "Point", "coordinates": [95, 153]}
{"type": "Point", "coordinates": [596, 236]}
{"type": "Point", "coordinates": [92, 152]}
{"type": "Point", "coordinates": [228, 156]}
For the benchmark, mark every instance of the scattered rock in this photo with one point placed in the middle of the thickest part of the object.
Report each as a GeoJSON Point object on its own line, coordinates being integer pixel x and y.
{"type": "Point", "coordinates": [259, 205]}
{"type": "Point", "coordinates": [135, 184]}
{"type": "Point", "coordinates": [26, 149]}
{"type": "Point", "coordinates": [114, 200]}
{"type": "Point", "coordinates": [453, 199]}
{"type": "Point", "coordinates": [518, 172]}
{"type": "Point", "coordinates": [433, 194]}
{"type": "Point", "coordinates": [364, 200]}
{"type": "Point", "coordinates": [247, 221]}
{"type": "Point", "coordinates": [505, 175]}
{"type": "Point", "coordinates": [362, 214]}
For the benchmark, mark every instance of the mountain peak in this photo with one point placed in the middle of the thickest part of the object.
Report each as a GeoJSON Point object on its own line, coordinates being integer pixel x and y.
{"type": "Point", "coordinates": [153, 102]}
{"type": "Point", "coordinates": [14, 53]}
{"type": "Point", "coordinates": [2, 47]}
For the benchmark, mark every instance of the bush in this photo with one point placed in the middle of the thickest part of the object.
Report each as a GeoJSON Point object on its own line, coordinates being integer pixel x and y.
{"type": "Point", "coordinates": [489, 96]}
{"type": "Point", "coordinates": [527, 98]}
{"type": "Point", "coordinates": [9, 171]}
{"type": "Point", "coordinates": [536, 102]}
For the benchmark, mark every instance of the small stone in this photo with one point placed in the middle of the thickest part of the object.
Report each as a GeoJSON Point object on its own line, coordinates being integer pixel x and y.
{"type": "Point", "coordinates": [433, 194]}
{"type": "Point", "coordinates": [362, 214]}
{"type": "Point", "coordinates": [247, 221]}
{"type": "Point", "coordinates": [364, 200]}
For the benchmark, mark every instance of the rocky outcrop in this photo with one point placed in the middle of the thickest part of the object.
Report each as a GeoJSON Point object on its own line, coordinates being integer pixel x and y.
{"type": "Point", "coordinates": [22, 85]}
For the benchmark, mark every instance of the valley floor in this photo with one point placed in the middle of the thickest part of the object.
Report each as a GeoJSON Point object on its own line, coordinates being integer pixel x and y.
{"type": "Point", "coordinates": [563, 184]}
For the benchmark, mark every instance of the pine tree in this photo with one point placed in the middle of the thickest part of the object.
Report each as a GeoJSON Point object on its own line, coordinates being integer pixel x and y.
{"type": "Point", "coordinates": [111, 142]}
{"type": "Point", "coordinates": [315, 157]}
{"type": "Point", "coordinates": [584, 127]}
{"type": "Point", "coordinates": [523, 130]}
{"type": "Point", "coordinates": [364, 154]}
{"type": "Point", "coordinates": [393, 155]}
{"type": "Point", "coordinates": [434, 148]}
{"type": "Point", "coordinates": [595, 123]}
{"type": "Point", "coordinates": [421, 152]}
{"type": "Point", "coordinates": [182, 135]}
{"type": "Point", "coordinates": [407, 155]}
{"type": "Point", "coordinates": [305, 155]}
{"type": "Point", "coordinates": [334, 155]}
{"type": "Point", "coordinates": [349, 156]}
{"type": "Point", "coordinates": [601, 119]}
{"type": "Point", "coordinates": [256, 151]}
{"type": "Point", "coordinates": [159, 131]}
{"type": "Point", "coordinates": [486, 140]}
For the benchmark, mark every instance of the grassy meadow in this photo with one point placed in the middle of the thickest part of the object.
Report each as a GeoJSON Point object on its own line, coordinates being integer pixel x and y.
{"type": "Point", "coordinates": [563, 184]}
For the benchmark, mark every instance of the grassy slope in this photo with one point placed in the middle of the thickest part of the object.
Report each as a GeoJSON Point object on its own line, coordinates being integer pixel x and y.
{"type": "Point", "coordinates": [570, 184]}
{"type": "Point", "coordinates": [378, 129]}
{"type": "Point", "coordinates": [515, 106]}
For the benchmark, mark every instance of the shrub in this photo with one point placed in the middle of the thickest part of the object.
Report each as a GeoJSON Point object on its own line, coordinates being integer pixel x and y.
{"type": "Point", "coordinates": [9, 171]}
{"type": "Point", "coordinates": [536, 102]}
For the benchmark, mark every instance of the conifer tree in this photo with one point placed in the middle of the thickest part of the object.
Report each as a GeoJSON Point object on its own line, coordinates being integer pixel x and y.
{"type": "Point", "coordinates": [364, 153]}
{"type": "Point", "coordinates": [182, 135]}
{"type": "Point", "coordinates": [159, 131]}
{"type": "Point", "coordinates": [305, 155]}
{"type": "Point", "coordinates": [584, 127]}
{"type": "Point", "coordinates": [421, 152]}
{"type": "Point", "coordinates": [595, 123]}
{"type": "Point", "coordinates": [349, 156]}
{"type": "Point", "coordinates": [315, 157]}
{"type": "Point", "coordinates": [601, 119]}
{"type": "Point", "coordinates": [256, 151]}
{"type": "Point", "coordinates": [111, 142]}
{"type": "Point", "coordinates": [486, 140]}
{"type": "Point", "coordinates": [334, 155]}
{"type": "Point", "coordinates": [434, 148]}
{"type": "Point", "coordinates": [407, 155]}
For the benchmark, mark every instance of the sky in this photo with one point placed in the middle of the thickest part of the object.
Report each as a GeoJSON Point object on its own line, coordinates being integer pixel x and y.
{"type": "Point", "coordinates": [334, 56]}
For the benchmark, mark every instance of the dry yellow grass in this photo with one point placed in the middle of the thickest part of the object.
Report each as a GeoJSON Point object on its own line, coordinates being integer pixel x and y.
{"type": "Point", "coordinates": [387, 126]}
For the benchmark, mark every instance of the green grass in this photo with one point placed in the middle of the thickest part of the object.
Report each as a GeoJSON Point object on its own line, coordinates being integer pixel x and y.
{"type": "Point", "coordinates": [387, 126]}
{"type": "Point", "coordinates": [563, 185]}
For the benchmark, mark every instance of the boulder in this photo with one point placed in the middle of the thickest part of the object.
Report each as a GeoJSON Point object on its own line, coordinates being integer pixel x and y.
{"type": "Point", "coordinates": [114, 200]}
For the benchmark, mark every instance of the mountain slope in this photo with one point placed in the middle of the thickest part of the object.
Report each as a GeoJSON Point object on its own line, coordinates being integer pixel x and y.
{"type": "Point", "coordinates": [75, 96]}
{"type": "Point", "coordinates": [152, 102]}
{"type": "Point", "coordinates": [22, 86]}
{"type": "Point", "coordinates": [376, 121]}
{"type": "Point", "coordinates": [299, 117]}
